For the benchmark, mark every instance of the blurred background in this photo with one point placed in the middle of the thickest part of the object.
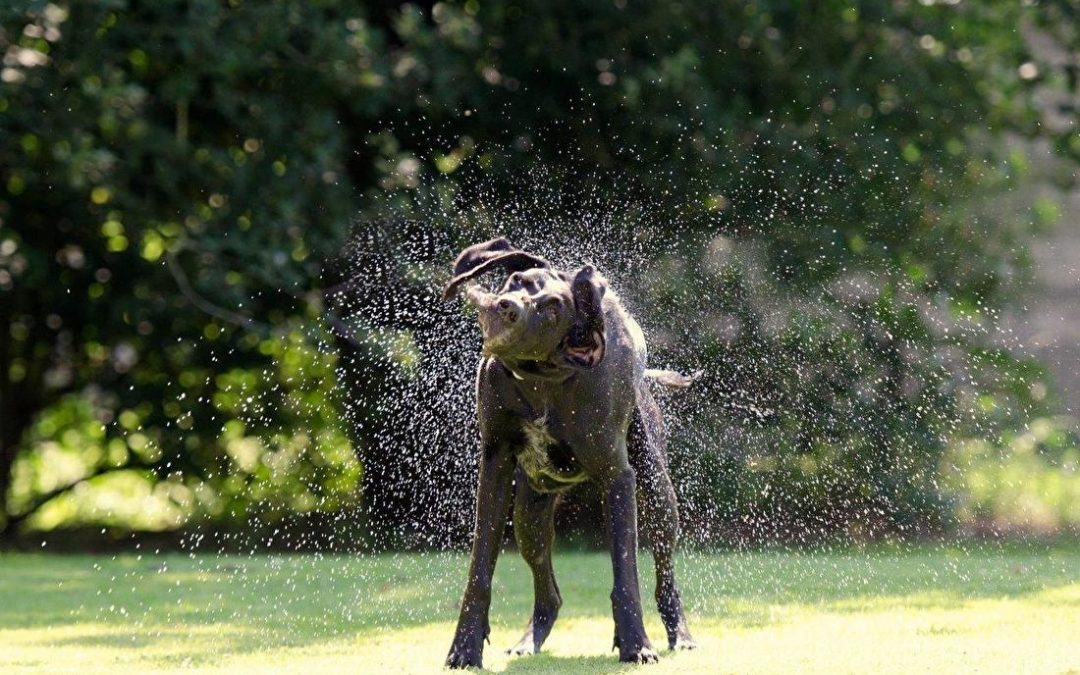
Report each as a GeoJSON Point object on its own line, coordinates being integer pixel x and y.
{"type": "Point", "coordinates": [868, 241]}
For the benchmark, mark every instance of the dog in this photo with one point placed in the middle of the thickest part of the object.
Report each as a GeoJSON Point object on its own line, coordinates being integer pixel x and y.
{"type": "Point", "coordinates": [563, 397]}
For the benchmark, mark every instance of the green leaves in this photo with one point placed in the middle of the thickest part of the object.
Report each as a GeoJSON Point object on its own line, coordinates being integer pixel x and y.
{"type": "Point", "coordinates": [174, 175]}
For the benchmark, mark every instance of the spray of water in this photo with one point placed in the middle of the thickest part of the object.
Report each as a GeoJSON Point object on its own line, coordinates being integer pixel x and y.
{"type": "Point", "coordinates": [786, 416]}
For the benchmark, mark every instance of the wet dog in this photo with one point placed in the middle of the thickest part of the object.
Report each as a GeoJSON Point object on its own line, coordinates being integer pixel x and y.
{"type": "Point", "coordinates": [563, 397]}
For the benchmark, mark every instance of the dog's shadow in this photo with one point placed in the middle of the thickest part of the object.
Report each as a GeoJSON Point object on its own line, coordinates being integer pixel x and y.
{"type": "Point", "coordinates": [549, 663]}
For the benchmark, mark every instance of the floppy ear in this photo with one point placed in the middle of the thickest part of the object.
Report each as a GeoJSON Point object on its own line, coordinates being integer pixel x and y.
{"type": "Point", "coordinates": [584, 345]}
{"type": "Point", "coordinates": [481, 258]}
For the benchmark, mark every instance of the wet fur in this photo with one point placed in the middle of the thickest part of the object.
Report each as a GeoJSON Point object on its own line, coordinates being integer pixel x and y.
{"type": "Point", "coordinates": [545, 425]}
{"type": "Point", "coordinates": [533, 457]}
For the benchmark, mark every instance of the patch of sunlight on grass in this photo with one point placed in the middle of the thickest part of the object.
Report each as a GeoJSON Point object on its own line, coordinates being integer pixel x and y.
{"type": "Point", "coordinates": [987, 609]}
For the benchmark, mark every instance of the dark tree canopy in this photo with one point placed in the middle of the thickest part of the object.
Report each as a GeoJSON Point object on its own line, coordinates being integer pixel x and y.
{"type": "Point", "coordinates": [175, 176]}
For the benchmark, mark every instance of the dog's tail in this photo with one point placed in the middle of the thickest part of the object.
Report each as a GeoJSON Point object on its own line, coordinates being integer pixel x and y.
{"type": "Point", "coordinates": [670, 378]}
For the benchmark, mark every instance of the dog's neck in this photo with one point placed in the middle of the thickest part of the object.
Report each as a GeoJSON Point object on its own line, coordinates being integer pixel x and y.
{"type": "Point", "coordinates": [529, 369]}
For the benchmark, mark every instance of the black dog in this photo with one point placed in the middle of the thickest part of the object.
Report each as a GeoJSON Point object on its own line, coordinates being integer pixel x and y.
{"type": "Point", "coordinates": [562, 397]}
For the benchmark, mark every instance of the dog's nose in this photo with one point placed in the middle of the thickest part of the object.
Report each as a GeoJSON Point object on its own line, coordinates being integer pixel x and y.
{"type": "Point", "coordinates": [509, 308]}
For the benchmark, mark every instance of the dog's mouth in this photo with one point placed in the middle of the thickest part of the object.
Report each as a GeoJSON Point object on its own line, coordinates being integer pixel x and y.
{"type": "Point", "coordinates": [500, 324]}
{"type": "Point", "coordinates": [499, 330]}
{"type": "Point", "coordinates": [513, 326]}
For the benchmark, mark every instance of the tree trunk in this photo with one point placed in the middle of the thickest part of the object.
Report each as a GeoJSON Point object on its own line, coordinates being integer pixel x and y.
{"type": "Point", "coordinates": [11, 431]}
{"type": "Point", "coordinates": [7, 449]}
{"type": "Point", "coordinates": [15, 416]}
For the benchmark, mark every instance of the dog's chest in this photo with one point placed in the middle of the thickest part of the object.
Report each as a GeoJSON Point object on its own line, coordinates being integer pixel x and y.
{"type": "Point", "coordinates": [548, 463]}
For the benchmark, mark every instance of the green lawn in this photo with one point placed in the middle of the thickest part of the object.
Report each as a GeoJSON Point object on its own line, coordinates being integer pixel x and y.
{"type": "Point", "coordinates": [1012, 610]}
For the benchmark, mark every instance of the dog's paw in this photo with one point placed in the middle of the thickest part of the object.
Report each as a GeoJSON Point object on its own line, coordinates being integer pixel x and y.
{"type": "Point", "coordinates": [645, 654]}
{"type": "Point", "coordinates": [680, 638]}
{"type": "Point", "coordinates": [524, 647]}
{"type": "Point", "coordinates": [683, 641]}
{"type": "Point", "coordinates": [465, 659]}
{"type": "Point", "coordinates": [466, 652]}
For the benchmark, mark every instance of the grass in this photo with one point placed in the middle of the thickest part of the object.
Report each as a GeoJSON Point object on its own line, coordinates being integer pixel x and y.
{"type": "Point", "coordinates": [985, 609]}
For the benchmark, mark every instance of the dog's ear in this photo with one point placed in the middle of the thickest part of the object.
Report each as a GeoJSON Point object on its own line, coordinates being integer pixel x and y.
{"type": "Point", "coordinates": [481, 258]}
{"type": "Point", "coordinates": [584, 345]}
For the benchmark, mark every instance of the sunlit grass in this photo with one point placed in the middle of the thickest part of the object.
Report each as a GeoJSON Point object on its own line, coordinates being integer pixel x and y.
{"type": "Point", "coordinates": [929, 610]}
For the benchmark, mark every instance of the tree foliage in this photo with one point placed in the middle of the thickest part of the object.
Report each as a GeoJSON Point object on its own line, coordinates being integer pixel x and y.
{"type": "Point", "coordinates": [177, 173]}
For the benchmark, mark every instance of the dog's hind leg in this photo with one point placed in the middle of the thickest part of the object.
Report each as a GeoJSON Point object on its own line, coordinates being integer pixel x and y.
{"type": "Point", "coordinates": [659, 513]}
{"type": "Point", "coordinates": [534, 530]}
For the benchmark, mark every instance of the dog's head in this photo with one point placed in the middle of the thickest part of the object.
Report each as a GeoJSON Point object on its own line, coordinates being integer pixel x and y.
{"type": "Point", "coordinates": [539, 313]}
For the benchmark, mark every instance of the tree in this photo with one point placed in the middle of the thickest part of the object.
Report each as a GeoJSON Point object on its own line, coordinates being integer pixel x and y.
{"type": "Point", "coordinates": [842, 171]}
{"type": "Point", "coordinates": [176, 175]}
{"type": "Point", "coordinates": [162, 209]}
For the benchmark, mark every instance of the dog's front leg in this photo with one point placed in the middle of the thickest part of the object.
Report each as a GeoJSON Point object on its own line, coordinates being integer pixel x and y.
{"type": "Point", "coordinates": [492, 503]}
{"type": "Point", "coordinates": [620, 510]}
